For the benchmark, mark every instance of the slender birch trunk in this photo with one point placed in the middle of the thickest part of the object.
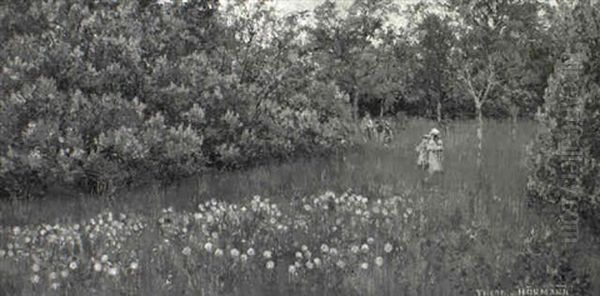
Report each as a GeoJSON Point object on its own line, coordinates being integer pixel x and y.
{"type": "Point", "coordinates": [439, 110]}
{"type": "Point", "coordinates": [514, 113]}
{"type": "Point", "coordinates": [479, 133]}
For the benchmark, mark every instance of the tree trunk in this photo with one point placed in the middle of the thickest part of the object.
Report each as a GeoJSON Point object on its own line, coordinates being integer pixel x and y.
{"type": "Point", "coordinates": [514, 113]}
{"type": "Point", "coordinates": [354, 99]}
{"type": "Point", "coordinates": [479, 134]}
{"type": "Point", "coordinates": [439, 110]}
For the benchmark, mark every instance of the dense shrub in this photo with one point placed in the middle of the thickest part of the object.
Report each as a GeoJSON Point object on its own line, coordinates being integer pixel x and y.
{"type": "Point", "coordinates": [571, 122]}
{"type": "Point", "coordinates": [101, 94]}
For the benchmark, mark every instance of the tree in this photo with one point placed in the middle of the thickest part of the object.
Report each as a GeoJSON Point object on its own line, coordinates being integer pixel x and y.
{"type": "Point", "coordinates": [565, 155]}
{"type": "Point", "coordinates": [476, 56]}
{"type": "Point", "coordinates": [436, 40]}
{"type": "Point", "coordinates": [99, 94]}
{"type": "Point", "coordinates": [486, 49]}
{"type": "Point", "coordinates": [344, 45]}
{"type": "Point", "coordinates": [393, 80]}
{"type": "Point", "coordinates": [526, 61]}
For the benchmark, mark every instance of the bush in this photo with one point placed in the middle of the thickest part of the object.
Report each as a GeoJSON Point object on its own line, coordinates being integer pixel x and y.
{"type": "Point", "coordinates": [571, 127]}
{"type": "Point", "coordinates": [101, 95]}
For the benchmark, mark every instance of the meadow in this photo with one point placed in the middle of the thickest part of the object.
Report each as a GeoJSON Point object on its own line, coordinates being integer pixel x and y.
{"type": "Point", "coordinates": [358, 223]}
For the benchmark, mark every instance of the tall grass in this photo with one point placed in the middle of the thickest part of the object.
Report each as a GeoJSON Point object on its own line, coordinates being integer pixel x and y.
{"type": "Point", "coordinates": [374, 170]}
{"type": "Point", "coordinates": [489, 202]}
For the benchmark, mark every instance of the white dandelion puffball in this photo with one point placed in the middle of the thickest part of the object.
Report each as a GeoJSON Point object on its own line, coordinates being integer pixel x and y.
{"type": "Point", "coordinates": [134, 265]}
{"type": "Point", "coordinates": [104, 258]}
{"type": "Point", "coordinates": [341, 264]}
{"type": "Point", "coordinates": [218, 252]}
{"type": "Point", "coordinates": [97, 267]}
{"type": "Point", "coordinates": [292, 269]}
{"type": "Point", "coordinates": [364, 265]}
{"type": "Point", "coordinates": [379, 261]}
{"type": "Point", "coordinates": [309, 265]}
{"type": "Point", "coordinates": [299, 255]}
{"type": "Point", "coordinates": [186, 251]}
{"type": "Point", "coordinates": [270, 264]}
{"type": "Point", "coordinates": [64, 273]}
{"type": "Point", "coordinates": [267, 254]}
{"type": "Point", "coordinates": [370, 240]}
{"type": "Point", "coordinates": [35, 279]}
{"type": "Point", "coordinates": [234, 252]}
{"type": "Point", "coordinates": [354, 249]}
{"type": "Point", "coordinates": [333, 251]}
{"type": "Point", "coordinates": [52, 276]}
{"type": "Point", "coordinates": [317, 261]}
{"type": "Point", "coordinates": [113, 271]}
{"type": "Point", "coordinates": [244, 257]}
{"type": "Point", "coordinates": [324, 248]}
{"type": "Point", "coordinates": [304, 248]}
{"type": "Point", "coordinates": [364, 248]}
{"type": "Point", "coordinates": [55, 286]}
{"type": "Point", "coordinates": [73, 265]}
{"type": "Point", "coordinates": [250, 252]}
{"type": "Point", "coordinates": [208, 247]}
{"type": "Point", "coordinates": [35, 268]}
{"type": "Point", "coordinates": [388, 247]}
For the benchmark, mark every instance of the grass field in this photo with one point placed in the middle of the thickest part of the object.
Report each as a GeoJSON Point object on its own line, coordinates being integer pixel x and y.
{"type": "Point", "coordinates": [375, 171]}
{"type": "Point", "coordinates": [470, 230]}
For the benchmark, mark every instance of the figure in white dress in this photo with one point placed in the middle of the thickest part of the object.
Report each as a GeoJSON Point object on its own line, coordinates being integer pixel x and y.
{"type": "Point", "coordinates": [434, 156]}
{"type": "Point", "coordinates": [435, 150]}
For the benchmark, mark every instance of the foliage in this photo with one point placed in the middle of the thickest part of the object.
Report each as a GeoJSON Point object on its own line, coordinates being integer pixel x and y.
{"type": "Point", "coordinates": [571, 123]}
{"type": "Point", "coordinates": [436, 40]}
{"type": "Point", "coordinates": [115, 92]}
{"type": "Point", "coordinates": [100, 95]}
{"type": "Point", "coordinates": [367, 60]}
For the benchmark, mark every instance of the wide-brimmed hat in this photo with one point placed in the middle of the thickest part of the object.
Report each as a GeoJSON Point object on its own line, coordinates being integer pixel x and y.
{"type": "Point", "coordinates": [434, 131]}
